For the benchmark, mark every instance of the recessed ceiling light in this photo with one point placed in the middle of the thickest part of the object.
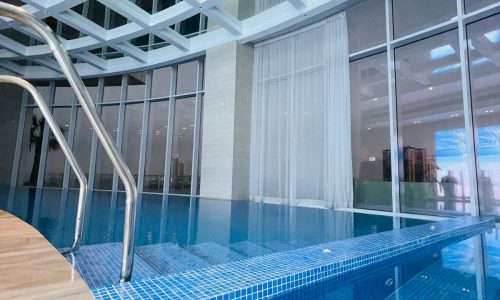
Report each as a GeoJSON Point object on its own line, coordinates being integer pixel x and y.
{"type": "Point", "coordinates": [375, 99]}
{"type": "Point", "coordinates": [431, 88]}
{"type": "Point", "coordinates": [417, 122]}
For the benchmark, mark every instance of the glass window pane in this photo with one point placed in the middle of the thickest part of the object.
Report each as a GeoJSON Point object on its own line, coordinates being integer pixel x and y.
{"type": "Point", "coordinates": [200, 149]}
{"type": "Point", "coordinates": [116, 20]}
{"type": "Point", "coordinates": [81, 145]}
{"type": "Point", "coordinates": [472, 5]}
{"type": "Point", "coordinates": [190, 25]}
{"type": "Point", "coordinates": [54, 166]}
{"type": "Point", "coordinates": [163, 4]}
{"type": "Point", "coordinates": [366, 25]}
{"type": "Point", "coordinates": [136, 88]}
{"type": "Point", "coordinates": [104, 169]}
{"type": "Point", "coordinates": [92, 87]}
{"type": "Point", "coordinates": [64, 93]}
{"type": "Point", "coordinates": [370, 136]}
{"type": "Point", "coordinates": [31, 148]}
{"type": "Point", "coordinates": [431, 126]}
{"type": "Point", "coordinates": [112, 88]}
{"type": "Point", "coordinates": [484, 41]}
{"type": "Point", "coordinates": [96, 12]}
{"type": "Point", "coordinates": [182, 146]}
{"type": "Point", "coordinates": [411, 16]}
{"type": "Point", "coordinates": [186, 78]}
{"type": "Point", "coordinates": [161, 82]}
{"type": "Point", "coordinates": [44, 90]}
{"type": "Point", "coordinates": [156, 147]}
{"type": "Point", "coordinates": [131, 140]}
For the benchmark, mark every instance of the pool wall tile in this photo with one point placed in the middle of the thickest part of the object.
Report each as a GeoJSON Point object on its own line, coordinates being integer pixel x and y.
{"type": "Point", "coordinates": [279, 273]}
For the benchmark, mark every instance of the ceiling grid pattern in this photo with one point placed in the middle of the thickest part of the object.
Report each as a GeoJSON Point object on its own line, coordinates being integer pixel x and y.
{"type": "Point", "coordinates": [139, 23]}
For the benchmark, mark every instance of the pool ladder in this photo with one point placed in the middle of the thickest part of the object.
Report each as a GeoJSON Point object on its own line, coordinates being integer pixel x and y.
{"type": "Point", "coordinates": [83, 96]}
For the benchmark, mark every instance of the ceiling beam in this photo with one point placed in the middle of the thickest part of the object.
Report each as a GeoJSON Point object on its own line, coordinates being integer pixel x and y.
{"type": "Point", "coordinates": [82, 24]}
{"type": "Point", "coordinates": [48, 63]}
{"type": "Point", "coordinates": [298, 4]}
{"type": "Point", "coordinates": [13, 67]}
{"type": "Point", "coordinates": [173, 37]}
{"type": "Point", "coordinates": [225, 20]}
{"type": "Point", "coordinates": [92, 60]}
{"type": "Point", "coordinates": [130, 11]}
{"type": "Point", "coordinates": [11, 45]}
{"type": "Point", "coordinates": [132, 51]}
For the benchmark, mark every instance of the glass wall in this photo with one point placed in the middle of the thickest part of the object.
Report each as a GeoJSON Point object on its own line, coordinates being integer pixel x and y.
{"type": "Point", "coordinates": [370, 132]}
{"type": "Point", "coordinates": [152, 149]}
{"type": "Point", "coordinates": [430, 110]}
{"type": "Point", "coordinates": [54, 166]}
{"type": "Point", "coordinates": [423, 122]}
{"type": "Point", "coordinates": [154, 172]}
{"type": "Point", "coordinates": [484, 40]}
{"type": "Point", "coordinates": [182, 145]}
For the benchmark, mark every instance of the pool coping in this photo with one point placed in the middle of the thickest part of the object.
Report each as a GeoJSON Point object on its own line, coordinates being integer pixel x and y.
{"type": "Point", "coordinates": [278, 273]}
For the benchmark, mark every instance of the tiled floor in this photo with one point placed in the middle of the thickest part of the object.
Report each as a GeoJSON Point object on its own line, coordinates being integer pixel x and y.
{"type": "Point", "coordinates": [274, 274]}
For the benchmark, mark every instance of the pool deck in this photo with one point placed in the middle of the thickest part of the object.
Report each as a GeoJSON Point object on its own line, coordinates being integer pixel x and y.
{"type": "Point", "coordinates": [31, 268]}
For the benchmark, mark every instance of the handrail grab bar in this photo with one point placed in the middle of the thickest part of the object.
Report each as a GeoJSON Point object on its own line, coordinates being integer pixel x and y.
{"type": "Point", "coordinates": [82, 196]}
{"type": "Point", "coordinates": [85, 100]}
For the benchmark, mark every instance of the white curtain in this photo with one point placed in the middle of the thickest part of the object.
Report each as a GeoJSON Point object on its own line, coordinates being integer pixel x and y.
{"type": "Point", "coordinates": [301, 142]}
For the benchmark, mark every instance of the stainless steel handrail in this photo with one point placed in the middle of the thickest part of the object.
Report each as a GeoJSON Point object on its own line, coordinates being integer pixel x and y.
{"type": "Point", "coordinates": [85, 100]}
{"type": "Point", "coordinates": [82, 196]}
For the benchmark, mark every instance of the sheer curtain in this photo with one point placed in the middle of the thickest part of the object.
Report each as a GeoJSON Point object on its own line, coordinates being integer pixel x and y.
{"type": "Point", "coordinates": [301, 143]}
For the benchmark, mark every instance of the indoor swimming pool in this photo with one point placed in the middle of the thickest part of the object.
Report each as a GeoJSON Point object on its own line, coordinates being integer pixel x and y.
{"type": "Point", "coordinates": [191, 248]}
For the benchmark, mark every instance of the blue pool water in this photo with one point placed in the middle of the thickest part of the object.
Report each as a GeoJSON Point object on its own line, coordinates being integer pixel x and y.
{"type": "Point", "coordinates": [179, 235]}
{"type": "Point", "coordinates": [187, 221]}
{"type": "Point", "coordinates": [438, 272]}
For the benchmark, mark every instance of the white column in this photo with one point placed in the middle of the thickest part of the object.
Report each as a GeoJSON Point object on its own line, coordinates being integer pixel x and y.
{"type": "Point", "coordinates": [226, 122]}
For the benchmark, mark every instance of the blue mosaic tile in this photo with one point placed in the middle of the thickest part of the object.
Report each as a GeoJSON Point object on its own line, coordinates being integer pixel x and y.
{"type": "Point", "coordinates": [250, 249]}
{"type": "Point", "coordinates": [215, 253]}
{"type": "Point", "coordinates": [170, 258]}
{"type": "Point", "coordinates": [100, 265]}
{"type": "Point", "coordinates": [279, 273]}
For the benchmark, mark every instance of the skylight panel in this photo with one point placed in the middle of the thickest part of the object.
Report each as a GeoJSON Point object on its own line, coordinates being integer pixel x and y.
{"type": "Point", "coordinates": [442, 51]}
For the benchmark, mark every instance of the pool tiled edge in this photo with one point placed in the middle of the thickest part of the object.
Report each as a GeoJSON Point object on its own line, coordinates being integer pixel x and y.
{"type": "Point", "coordinates": [278, 273]}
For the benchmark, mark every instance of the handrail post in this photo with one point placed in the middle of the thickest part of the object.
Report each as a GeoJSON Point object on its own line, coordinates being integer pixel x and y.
{"type": "Point", "coordinates": [82, 196]}
{"type": "Point", "coordinates": [85, 100]}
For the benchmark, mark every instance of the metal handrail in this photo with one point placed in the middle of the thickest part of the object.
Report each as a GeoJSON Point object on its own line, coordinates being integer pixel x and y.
{"type": "Point", "coordinates": [82, 196]}
{"type": "Point", "coordinates": [85, 100]}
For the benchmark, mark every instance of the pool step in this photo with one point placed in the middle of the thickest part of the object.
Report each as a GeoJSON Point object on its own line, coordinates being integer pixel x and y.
{"type": "Point", "coordinates": [279, 273]}
{"type": "Point", "coordinates": [250, 249]}
{"type": "Point", "coordinates": [168, 258]}
{"type": "Point", "coordinates": [214, 253]}
{"type": "Point", "coordinates": [100, 264]}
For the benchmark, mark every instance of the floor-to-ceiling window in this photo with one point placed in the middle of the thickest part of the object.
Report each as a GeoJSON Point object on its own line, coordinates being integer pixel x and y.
{"type": "Point", "coordinates": [423, 73]}
{"type": "Point", "coordinates": [151, 115]}
{"type": "Point", "coordinates": [370, 132]}
{"type": "Point", "coordinates": [484, 67]}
